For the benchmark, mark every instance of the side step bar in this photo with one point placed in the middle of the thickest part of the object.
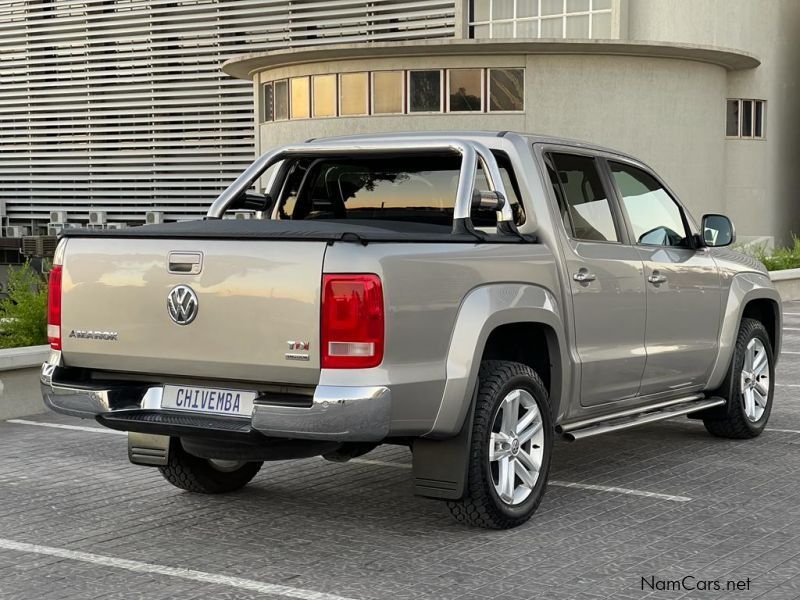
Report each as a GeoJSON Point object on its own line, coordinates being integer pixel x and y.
{"type": "Point", "coordinates": [637, 416]}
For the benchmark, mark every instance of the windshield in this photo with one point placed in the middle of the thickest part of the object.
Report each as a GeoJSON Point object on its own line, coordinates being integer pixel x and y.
{"type": "Point", "coordinates": [419, 189]}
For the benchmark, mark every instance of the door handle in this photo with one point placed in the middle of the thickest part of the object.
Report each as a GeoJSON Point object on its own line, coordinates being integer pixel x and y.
{"type": "Point", "coordinates": [185, 263]}
{"type": "Point", "coordinates": [583, 276]}
{"type": "Point", "coordinates": [657, 278]}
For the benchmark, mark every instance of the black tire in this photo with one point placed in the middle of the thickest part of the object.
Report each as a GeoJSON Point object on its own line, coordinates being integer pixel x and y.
{"type": "Point", "coordinates": [203, 476]}
{"type": "Point", "coordinates": [481, 505]}
{"type": "Point", "coordinates": [731, 421]}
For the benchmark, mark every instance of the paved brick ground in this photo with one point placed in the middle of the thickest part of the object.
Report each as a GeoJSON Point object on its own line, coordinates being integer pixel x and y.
{"type": "Point", "coordinates": [355, 530]}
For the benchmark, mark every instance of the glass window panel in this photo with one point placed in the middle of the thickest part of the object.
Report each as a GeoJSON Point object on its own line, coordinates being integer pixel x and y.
{"type": "Point", "coordinates": [502, 30]}
{"type": "Point", "coordinates": [553, 28]}
{"type": "Point", "coordinates": [601, 5]}
{"type": "Point", "coordinates": [424, 91]}
{"type": "Point", "coordinates": [747, 118]}
{"type": "Point", "coordinates": [528, 29]}
{"type": "Point", "coordinates": [578, 27]}
{"type": "Point", "coordinates": [552, 7]}
{"type": "Point", "coordinates": [267, 102]}
{"type": "Point", "coordinates": [759, 119]}
{"type": "Point", "coordinates": [506, 89]}
{"type": "Point", "coordinates": [354, 94]}
{"type": "Point", "coordinates": [601, 26]}
{"type": "Point", "coordinates": [586, 210]}
{"type": "Point", "coordinates": [655, 217]}
{"type": "Point", "coordinates": [502, 9]}
{"type": "Point", "coordinates": [387, 92]}
{"type": "Point", "coordinates": [299, 97]}
{"type": "Point", "coordinates": [527, 8]}
{"type": "Point", "coordinates": [281, 100]}
{"type": "Point", "coordinates": [466, 91]}
{"type": "Point", "coordinates": [480, 10]}
{"type": "Point", "coordinates": [577, 6]}
{"type": "Point", "coordinates": [419, 189]}
{"type": "Point", "coordinates": [324, 95]}
{"type": "Point", "coordinates": [480, 32]}
{"type": "Point", "coordinates": [732, 119]}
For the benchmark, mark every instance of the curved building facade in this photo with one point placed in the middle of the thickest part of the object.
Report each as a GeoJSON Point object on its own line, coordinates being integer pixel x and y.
{"type": "Point", "coordinates": [686, 86]}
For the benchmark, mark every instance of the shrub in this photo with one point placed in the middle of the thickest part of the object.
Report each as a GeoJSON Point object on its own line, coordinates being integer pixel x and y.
{"type": "Point", "coordinates": [780, 258]}
{"type": "Point", "coordinates": [23, 313]}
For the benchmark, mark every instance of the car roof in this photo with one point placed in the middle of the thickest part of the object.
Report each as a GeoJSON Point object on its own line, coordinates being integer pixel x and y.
{"type": "Point", "coordinates": [480, 135]}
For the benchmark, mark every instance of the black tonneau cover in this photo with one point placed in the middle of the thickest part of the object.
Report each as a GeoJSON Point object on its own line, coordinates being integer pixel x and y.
{"type": "Point", "coordinates": [328, 230]}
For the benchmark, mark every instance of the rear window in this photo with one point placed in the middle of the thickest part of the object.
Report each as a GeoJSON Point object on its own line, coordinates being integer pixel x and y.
{"type": "Point", "coordinates": [418, 189]}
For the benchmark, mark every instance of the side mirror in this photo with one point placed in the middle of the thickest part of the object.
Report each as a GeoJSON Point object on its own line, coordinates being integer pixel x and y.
{"type": "Point", "coordinates": [717, 230]}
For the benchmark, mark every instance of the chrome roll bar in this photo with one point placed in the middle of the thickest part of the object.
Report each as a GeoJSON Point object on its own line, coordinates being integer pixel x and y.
{"type": "Point", "coordinates": [471, 152]}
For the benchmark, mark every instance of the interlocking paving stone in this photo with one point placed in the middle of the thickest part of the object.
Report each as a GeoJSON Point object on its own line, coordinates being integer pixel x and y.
{"type": "Point", "coordinates": [357, 531]}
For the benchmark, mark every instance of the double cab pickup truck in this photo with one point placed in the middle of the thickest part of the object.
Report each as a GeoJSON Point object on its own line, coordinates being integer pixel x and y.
{"type": "Point", "coordinates": [472, 296]}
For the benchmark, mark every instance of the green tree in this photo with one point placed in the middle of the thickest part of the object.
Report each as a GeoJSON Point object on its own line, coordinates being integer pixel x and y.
{"type": "Point", "coordinates": [23, 313]}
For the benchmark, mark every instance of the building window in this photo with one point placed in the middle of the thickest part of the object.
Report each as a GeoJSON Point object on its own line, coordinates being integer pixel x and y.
{"type": "Point", "coordinates": [387, 92]}
{"type": "Point", "coordinates": [354, 94]}
{"type": "Point", "coordinates": [465, 90]}
{"type": "Point", "coordinates": [267, 102]}
{"type": "Point", "coordinates": [572, 19]}
{"type": "Point", "coordinates": [506, 90]}
{"type": "Point", "coordinates": [281, 91]}
{"type": "Point", "coordinates": [476, 90]}
{"type": "Point", "coordinates": [745, 118]}
{"type": "Point", "coordinates": [425, 91]}
{"type": "Point", "coordinates": [324, 88]}
{"type": "Point", "coordinates": [299, 98]}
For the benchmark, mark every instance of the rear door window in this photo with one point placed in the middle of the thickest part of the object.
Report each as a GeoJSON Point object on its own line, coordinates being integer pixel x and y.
{"type": "Point", "coordinates": [583, 201]}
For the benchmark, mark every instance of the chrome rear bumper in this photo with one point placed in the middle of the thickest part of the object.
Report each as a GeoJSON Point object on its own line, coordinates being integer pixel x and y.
{"type": "Point", "coordinates": [337, 413]}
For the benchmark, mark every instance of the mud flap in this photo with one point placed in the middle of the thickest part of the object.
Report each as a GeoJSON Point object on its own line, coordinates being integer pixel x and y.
{"type": "Point", "coordinates": [440, 466]}
{"type": "Point", "coordinates": [148, 449]}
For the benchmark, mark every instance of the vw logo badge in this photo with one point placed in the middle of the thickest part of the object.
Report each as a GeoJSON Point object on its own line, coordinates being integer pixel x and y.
{"type": "Point", "coordinates": [182, 304]}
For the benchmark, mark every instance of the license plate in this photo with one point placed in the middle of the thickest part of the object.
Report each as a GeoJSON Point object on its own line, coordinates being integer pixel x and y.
{"type": "Point", "coordinates": [237, 403]}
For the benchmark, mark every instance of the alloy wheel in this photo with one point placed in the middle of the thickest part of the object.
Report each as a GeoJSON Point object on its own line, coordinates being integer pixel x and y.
{"type": "Point", "coordinates": [516, 447]}
{"type": "Point", "coordinates": [755, 380]}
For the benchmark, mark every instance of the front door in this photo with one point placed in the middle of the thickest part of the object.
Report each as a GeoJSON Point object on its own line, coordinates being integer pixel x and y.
{"type": "Point", "coordinates": [683, 286]}
{"type": "Point", "coordinates": [606, 281]}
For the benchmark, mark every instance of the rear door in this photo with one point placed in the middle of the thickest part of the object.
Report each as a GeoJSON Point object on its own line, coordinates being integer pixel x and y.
{"type": "Point", "coordinates": [213, 309]}
{"type": "Point", "coordinates": [606, 280]}
{"type": "Point", "coordinates": [683, 284]}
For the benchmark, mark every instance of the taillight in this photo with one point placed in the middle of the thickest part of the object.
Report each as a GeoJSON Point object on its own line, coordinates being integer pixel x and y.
{"type": "Point", "coordinates": [54, 308]}
{"type": "Point", "coordinates": [352, 321]}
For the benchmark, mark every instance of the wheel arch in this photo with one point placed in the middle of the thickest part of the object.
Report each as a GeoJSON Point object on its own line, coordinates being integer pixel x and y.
{"type": "Point", "coordinates": [751, 295]}
{"type": "Point", "coordinates": [768, 312]}
{"type": "Point", "coordinates": [488, 324]}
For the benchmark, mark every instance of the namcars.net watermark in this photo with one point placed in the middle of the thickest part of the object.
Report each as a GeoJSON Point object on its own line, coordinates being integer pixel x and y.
{"type": "Point", "coordinates": [691, 583]}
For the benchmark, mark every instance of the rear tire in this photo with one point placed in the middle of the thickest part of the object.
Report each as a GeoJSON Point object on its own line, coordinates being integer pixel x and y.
{"type": "Point", "coordinates": [748, 386]}
{"type": "Point", "coordinates": [512, 439]}
{"type": "Point", "coordinates": [206, 476]}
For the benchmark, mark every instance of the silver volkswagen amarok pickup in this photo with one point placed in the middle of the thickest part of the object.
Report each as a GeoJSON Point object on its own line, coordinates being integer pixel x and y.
{"type": "Point", "coordinates": [469, 295]}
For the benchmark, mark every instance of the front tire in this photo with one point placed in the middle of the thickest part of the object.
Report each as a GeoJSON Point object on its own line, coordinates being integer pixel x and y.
{"type": "Point", "coordinates": [512, 440]}
{"type": "Point", "coordinates": [747, 387]}
{"type": "Point", "coordinates": [206, 476]}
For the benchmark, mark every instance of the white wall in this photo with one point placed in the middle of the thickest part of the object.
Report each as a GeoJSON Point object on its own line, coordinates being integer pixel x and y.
{"type": "Point", "coordinates": [760, 177]}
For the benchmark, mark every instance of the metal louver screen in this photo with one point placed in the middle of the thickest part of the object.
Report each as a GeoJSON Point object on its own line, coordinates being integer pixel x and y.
{"type": "Point", "coordinates": [121, 106]}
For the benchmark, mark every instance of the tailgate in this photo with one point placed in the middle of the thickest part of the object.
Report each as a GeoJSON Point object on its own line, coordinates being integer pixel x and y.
{"type": "Point", "coordinates": [252, 298]}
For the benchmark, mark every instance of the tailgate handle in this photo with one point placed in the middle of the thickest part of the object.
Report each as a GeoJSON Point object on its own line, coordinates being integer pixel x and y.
{"type": "Point", "coordinates": [188, 263]}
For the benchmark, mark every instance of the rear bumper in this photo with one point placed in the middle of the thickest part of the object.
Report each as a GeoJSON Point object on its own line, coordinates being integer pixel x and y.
{"type": "Point", "coordinates": [336, 413]}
